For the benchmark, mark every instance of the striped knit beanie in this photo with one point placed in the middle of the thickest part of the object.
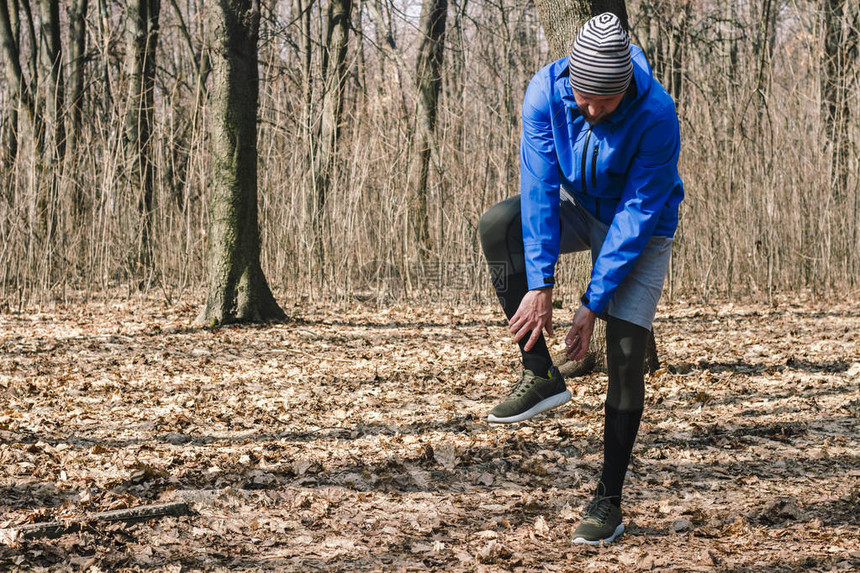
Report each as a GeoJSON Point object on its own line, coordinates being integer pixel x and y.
{"type": "Point", "coordinates": [600, 62]}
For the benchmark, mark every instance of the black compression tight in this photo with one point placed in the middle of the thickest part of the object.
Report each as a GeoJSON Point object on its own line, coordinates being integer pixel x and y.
{"type": "Point", "coordinates": [625, 398]}
{"type": "Point", "coordinates": [625, 360]}
{"type": "Point", "coordinates": [501, 234]}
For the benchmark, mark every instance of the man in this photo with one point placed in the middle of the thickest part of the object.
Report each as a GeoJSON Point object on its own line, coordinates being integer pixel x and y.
{"type": "Point", "coordinates": [598, 171]}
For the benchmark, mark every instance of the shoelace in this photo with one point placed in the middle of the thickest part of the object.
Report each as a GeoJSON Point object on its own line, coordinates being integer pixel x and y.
{"type": "Point", "coordinates": [522, 385]}
{"type": "Point", "coordinates": [597, 510]}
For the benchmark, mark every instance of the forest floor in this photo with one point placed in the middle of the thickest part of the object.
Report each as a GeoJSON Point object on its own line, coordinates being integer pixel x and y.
{"type": "Point", "coordinates": [351, 438]}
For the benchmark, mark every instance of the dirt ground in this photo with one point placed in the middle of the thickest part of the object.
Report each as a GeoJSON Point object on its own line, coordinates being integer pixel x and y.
{"type": "Point", "coordinates": [351, 438]}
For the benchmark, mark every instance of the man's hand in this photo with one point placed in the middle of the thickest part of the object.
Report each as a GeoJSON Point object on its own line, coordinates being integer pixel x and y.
{"type": "Point", "coordinates": [534, 314]}
{"type": "Point", "coordinates": [579, 335]}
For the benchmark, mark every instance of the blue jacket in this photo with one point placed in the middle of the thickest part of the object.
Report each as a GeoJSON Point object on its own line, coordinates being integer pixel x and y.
{"type": "Point", "coordinates": [624, 171]}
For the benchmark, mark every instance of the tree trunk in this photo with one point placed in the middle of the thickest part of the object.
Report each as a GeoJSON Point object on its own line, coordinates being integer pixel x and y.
{"type": "Point", "coordinates": [325, 147]}
{"type": "Point", "coordinates": [38, 122]}
{"type": "Point", "coordinates": [840, 52]}
{"type": "Point", "coordinates": [454, 82]}
{"type": "Point", "coordinates": [140, 65]}
{"type": "Point", "coordinates": [105, 27]}
{"type": "Point", "coordinates": [361, 94]}
{"type": "Point", "coordinates": [428, 79]}
{"type": "Point", "coordinates": [10, 38]}
{"type": "Point", "coordinates": [51, 93]}
{"type": "Point", "coordinates": [238, 291]}
{"type": "Point", "coordinates": [762, 52]}
{"type": "Point", "coordinates": [561, 21]}
{"type": "Point", "coordinates": [390, 87]}
{"type": "Point", "coordinates": [53, 78]}
{"type": "Point", "coordinates": [25, 91]}
{"type": "Point", "coordinates": [617, 7]}
{"type": "Point", "coordinates": [677, 50]}
{"type": "Point", "coordinates": [304, 9]}
{"type": "Point", "coordinates": [77, 12]}
{"type": "Point", "coordinates": [334, 73]}
{"type": "Point", "coordinates": [177, 169]}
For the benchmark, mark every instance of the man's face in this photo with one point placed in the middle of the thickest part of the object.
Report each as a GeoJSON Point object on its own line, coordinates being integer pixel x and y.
{"type": "Point", "coordinates": [596, 108]}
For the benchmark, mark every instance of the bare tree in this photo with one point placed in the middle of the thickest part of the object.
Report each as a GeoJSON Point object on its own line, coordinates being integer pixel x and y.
{"type": "Point", "coordinates": [77, 14]}
{"type": "Point", "coordinates": [53, 77]}
{"type": "Point", "coordinates": [51, 92]}
{"type": "Point", "coordinates": [19, 87]}
{"type": "Point", "coordinates": [428, 78]}
{"type": "Point", "coordinates": [454, 81]}
{"type": "Point", "coordinates": [334, 73]}
{"type": "Point", "coordinates": [677, 45]}
{"type": "Point", "coordinates": [840, 40]}
{"type": "Point", "coordinates": [179, 146]}
{"type": "Point", "coordinates": [238, 290]}
{"type": "Point", "coordinates": [10, 36]}
{"type": "Point", "coordinates": [141, 67]}
{"type": "Point", "coordinates": [303, 9]}
{"type": "Point", "coordinates": [105, 27]}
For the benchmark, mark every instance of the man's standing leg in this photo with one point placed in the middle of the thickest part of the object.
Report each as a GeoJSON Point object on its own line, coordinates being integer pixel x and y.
{"type": "Point", "coordinates": [625, 356]}
{"type": "Point", "coordinates": [626, 344]}
{"type": "Point", "coordinates": [625, 360]}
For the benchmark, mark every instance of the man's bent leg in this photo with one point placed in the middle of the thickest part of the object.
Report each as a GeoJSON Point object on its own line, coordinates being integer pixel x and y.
{"type": "Point", "coordinates": [541, 386]}
{"type": "Point", "coordinates": [501, 233]}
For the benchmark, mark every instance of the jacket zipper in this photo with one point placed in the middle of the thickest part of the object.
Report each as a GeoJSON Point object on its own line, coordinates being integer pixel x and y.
{"type": "Point", "coordinates": [582, 171]}
{"type": "Point", "coordinates": [594, 174]}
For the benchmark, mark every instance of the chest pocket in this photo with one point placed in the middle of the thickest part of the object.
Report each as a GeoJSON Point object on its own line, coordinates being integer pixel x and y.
{"type": "Point", "coordinates": [600, 169]}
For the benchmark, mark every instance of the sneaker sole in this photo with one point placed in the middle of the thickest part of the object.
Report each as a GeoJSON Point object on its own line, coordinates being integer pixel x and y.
{"type": "Point", "coordinates": [542, 406]}
{"type": "Point", "coordinates": [618, 531]}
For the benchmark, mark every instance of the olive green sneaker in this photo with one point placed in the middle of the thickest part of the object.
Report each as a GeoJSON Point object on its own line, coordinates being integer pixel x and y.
{"type": "Point", "coordinates": [601, 522]}
{"type": "Point", "coordinates": [531, 395]}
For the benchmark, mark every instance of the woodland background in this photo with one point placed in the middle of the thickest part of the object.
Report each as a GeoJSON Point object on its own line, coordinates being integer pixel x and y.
{"type": "Point", "coordinates": [106, 175]}
{"type": "Point", "coordinates": [350, 434]}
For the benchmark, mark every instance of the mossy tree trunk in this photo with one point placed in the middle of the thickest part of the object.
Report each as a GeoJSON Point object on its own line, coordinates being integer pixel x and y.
{"type": "Point", "coordinates": [561, 21]}
{"type": "Point", "coordinates": [238, 291]}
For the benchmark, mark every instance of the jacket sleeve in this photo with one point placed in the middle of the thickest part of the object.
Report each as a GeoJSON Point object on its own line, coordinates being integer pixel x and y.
{"type": "Point", "coordinates": [539, 187]}
{"type": "Point", "coordinates": [652, 178]}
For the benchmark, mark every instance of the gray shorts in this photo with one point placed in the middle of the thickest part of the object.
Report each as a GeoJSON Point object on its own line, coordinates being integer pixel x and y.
{"type": "Point", "coordinates": [636, 298]}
